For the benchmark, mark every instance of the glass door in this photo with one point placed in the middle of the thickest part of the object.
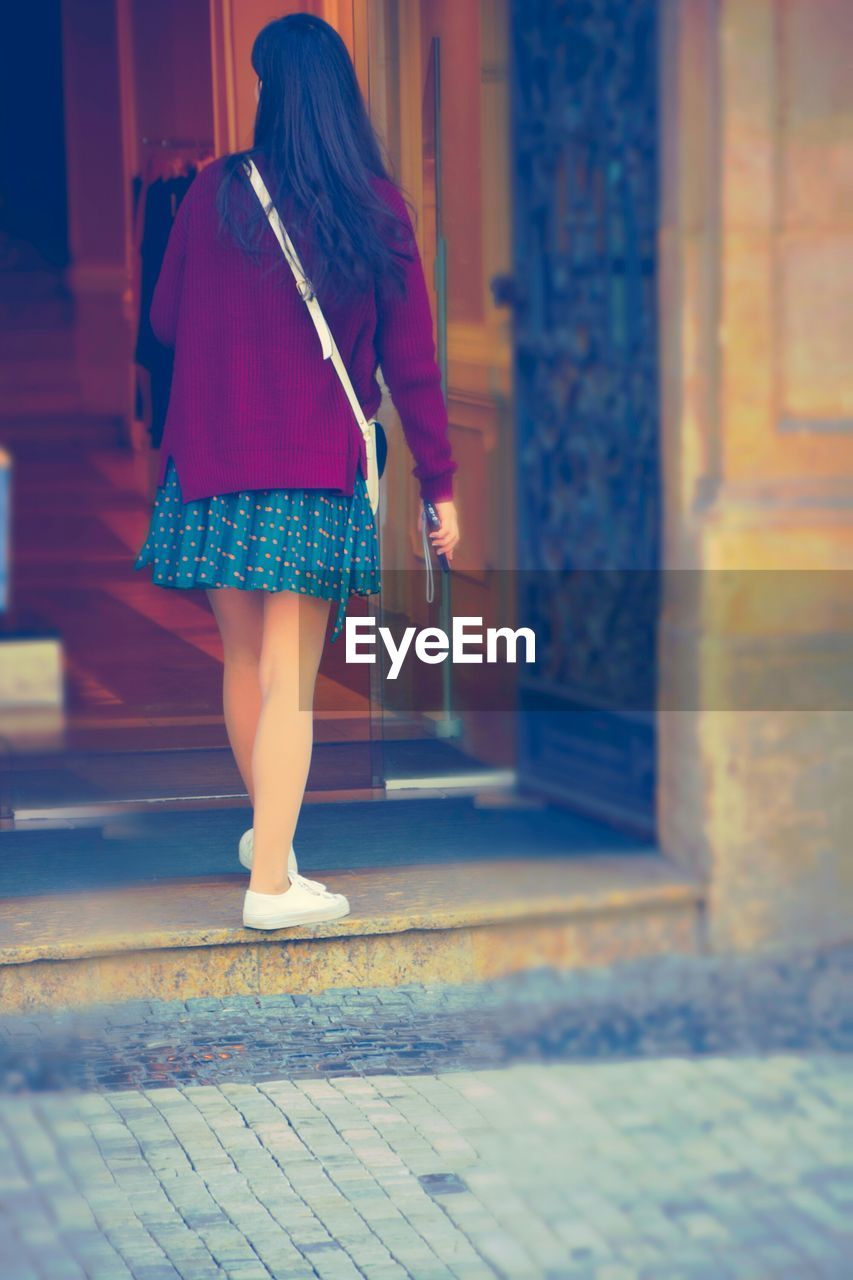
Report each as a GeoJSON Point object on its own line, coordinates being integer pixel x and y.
{"type": "Point", "coordinates": [439, 98]}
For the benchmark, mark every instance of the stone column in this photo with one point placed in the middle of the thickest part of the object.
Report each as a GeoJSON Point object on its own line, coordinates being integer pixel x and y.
{"type": "Point", "coordinates": [756, 252]}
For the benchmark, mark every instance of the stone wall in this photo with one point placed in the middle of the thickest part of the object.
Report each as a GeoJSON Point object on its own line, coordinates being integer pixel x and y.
{"type": "Point", "coordinates": [756, 256]}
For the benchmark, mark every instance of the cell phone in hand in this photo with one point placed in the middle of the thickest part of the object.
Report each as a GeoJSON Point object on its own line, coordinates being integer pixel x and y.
{"type": "Point", "coordinates": [433, 521]}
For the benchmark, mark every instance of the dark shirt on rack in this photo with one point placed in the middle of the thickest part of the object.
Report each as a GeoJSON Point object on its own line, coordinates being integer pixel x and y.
{"type": "Point", "coordinates": [162, 199]}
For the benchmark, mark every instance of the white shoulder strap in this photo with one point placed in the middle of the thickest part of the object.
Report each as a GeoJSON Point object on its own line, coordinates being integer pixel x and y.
{"type": "Point", "coordinates": [303, 284]}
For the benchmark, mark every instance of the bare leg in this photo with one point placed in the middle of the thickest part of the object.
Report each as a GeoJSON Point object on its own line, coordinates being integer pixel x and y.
{"type": "Point", "coordinates": [240, 617]}
{"type": "Point", "coordinates": [294, 631]}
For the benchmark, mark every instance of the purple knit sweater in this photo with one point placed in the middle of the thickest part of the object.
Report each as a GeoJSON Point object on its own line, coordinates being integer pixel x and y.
{"type": "Point", "coordinates": [253, 404]}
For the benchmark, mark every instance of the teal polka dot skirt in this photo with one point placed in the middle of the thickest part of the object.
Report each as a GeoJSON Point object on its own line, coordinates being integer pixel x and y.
{"type": "Point", "coordinates": [312, 541]}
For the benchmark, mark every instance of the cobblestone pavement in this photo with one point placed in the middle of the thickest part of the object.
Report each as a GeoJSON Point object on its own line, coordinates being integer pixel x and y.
{"type": "Point", "coordinates": [668, 1169]}
{"type": "Point", "coordinates": [675, 1119]}
{"type": "Point", "coordinates": [671, 1005]}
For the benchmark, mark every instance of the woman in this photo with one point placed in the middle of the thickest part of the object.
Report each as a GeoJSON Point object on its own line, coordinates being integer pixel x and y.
{"type": "Point", "coordinates": [261, 494]}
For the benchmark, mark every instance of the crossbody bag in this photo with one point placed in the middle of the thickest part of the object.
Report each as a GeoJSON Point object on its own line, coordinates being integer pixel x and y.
{"type": "Point", "coordinates": [375, 440]}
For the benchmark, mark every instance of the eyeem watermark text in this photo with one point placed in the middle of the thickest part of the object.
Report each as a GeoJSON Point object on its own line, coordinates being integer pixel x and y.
{"type": "Point", "coordinates": [468, 642]}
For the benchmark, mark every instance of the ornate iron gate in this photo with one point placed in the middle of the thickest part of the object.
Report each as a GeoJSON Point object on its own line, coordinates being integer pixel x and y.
{"type": "Point", "coordinates": [584, 290]}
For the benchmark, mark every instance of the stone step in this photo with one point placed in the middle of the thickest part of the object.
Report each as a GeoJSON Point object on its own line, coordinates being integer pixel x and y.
{"type": "Point", "coordinates": [70, 775]}
{"type": "Point", "coordinates": [45, 344]}
{"type": "Point", "coordinates": [447, 922]}
{"type": "Point", "coordinates": [57, 369]}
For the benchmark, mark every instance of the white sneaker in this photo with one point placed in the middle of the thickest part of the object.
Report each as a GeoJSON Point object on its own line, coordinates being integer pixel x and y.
{"type": "Point", "coordinates": [246, 854]}
{"type": "Point", "coordinates": [297, 905]}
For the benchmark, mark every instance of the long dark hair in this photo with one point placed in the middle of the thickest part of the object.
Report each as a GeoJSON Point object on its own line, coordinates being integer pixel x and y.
{"type": "Point", "coordinates": [313, 130]}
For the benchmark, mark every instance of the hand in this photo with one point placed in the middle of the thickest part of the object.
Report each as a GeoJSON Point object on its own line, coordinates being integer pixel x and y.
{"type": "Point", "coordinates": [444, 540]}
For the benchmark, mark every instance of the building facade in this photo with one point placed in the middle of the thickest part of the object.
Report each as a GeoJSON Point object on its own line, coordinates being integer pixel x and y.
{"type": "Point", "coordinates": [638, 219]}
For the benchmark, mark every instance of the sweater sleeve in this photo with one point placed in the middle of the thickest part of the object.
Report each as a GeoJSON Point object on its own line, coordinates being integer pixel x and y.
{"type": "Point", "coordinates": [166, 298]}
{"type": "Point", "coordinates": [407, 356]}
